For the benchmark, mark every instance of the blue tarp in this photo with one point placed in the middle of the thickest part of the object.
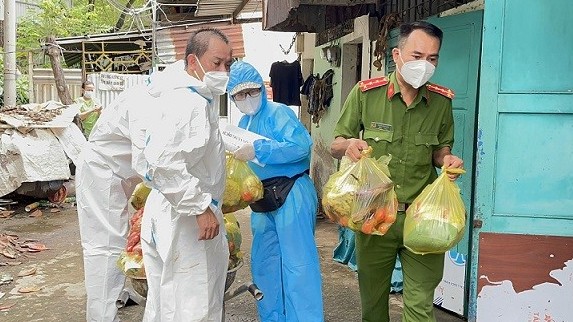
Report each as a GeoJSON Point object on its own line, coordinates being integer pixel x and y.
{"type": "Point", "coordinates": [345, 253]}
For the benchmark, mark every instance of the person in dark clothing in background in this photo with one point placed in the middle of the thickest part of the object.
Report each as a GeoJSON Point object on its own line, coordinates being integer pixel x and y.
{"type": "Point", "coordinates": [286, 80]}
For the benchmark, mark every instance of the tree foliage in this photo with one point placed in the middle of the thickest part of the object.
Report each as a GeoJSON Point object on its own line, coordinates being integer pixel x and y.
{"type": "Point", "coordinates": [22, 86]}
{"type": "Point", "coordinates": [56, 18]}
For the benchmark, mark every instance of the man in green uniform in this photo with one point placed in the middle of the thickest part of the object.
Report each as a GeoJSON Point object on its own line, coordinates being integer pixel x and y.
{"type": "Point", "coordinates": [412, 120]}
{"type": "Point", "coordinates": [90, 109]}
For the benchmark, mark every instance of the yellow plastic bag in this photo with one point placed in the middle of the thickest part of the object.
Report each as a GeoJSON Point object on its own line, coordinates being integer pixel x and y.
{"type": "Point", "coordinates": [242, 186]}
{"type": "Point", "coordinates": [139, 195]}
{"type": "Point", "coordinates": [234, 239]}
{"type": "Point", "coordinates": [361, 195]}
{"type": "Point", "coordinates": [435, 221]}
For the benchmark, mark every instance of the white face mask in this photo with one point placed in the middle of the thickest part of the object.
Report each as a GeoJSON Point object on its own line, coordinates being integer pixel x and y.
{"type": "Point", "coordinates": [88, 94]}
{"type": "Point", "coordinates": [416, 72]}
{"type": "Point", "coordinates": [216, 81]}
{"type": "Point", "coordinates": [250, 105]}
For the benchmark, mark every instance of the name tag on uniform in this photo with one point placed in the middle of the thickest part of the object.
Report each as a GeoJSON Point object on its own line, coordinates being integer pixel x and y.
{"type": "Point", "coordinates": [381, 126]}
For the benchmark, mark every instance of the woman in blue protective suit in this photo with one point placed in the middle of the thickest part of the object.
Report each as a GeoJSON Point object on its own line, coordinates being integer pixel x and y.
{"type": "Point", "coordinates": [284, 259]}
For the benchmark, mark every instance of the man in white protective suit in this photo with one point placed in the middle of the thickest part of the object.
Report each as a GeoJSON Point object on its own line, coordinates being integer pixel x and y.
{"type": "Point", "coordinates": [105, 180]}
{"type": "Point", "coordinates": [185, 250]}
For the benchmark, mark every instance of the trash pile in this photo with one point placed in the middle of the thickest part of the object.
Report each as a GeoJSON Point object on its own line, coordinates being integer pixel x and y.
{"type": "Point", "coordinates": [39, 115]}
{"type": "Point", "coordinates": [11, 246]}
{"type": "Point", "coordinates": [12, 250]}
{"type": "Point", "coordinates": [5, 205]}
{"type": "Point", "coordinates": [33, 113]}
{"type": "Point", "coordinates": [37, 143]}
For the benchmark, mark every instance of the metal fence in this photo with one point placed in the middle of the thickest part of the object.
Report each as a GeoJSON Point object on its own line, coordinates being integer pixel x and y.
{"type": "Point", "coordinates": [108, 86]}
{"type": "Point", "coordinates": [44, 86]}
{"type": "Point", "coordinates": [105, 95]}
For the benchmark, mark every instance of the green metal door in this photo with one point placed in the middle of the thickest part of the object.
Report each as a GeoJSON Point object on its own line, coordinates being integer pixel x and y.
{"type": "Point", "coordinates": [458, 70]}
{"type": "Point", "coordinates": [522, 263]}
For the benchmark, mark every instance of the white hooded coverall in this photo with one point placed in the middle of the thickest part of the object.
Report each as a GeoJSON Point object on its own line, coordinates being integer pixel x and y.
{"type": "Point", "coordinates": [185, 155]}
{"type": "Point", "coordinates": [106, 176]}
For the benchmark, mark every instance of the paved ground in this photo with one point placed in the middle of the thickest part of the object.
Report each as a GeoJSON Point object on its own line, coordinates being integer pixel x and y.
{"type": "Point", "coordinates": [59, 275]}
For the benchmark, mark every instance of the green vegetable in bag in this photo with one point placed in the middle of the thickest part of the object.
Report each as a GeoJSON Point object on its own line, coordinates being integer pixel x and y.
{"type": "Point", "coordinates": [435, 221]}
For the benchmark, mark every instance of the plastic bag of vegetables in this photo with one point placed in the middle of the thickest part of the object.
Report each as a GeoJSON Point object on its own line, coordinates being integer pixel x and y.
{"type": "Point", "coordinates": [242, 186]}
{"type": "Point", "coordinates": [436, 220]}
{"type": "Point", "coordinates": [131, 259]}
{"type": "Point", "coordinates": [234, 239]}
{"type": "Point", "coordinates": [361, 195]}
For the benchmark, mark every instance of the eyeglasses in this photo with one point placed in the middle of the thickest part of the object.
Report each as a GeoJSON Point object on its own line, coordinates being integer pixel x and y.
{"type": "Point", "coordinates": [241, 96]}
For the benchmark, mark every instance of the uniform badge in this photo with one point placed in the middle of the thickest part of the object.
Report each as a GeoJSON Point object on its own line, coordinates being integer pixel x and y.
{"type": "Point", "coordinates": [444, 91]}
{"type": "Point", "coordinates": [391, 91]}
{"type": "Point", "coordinates": [372, 83]}
{"type": "Point", "coordinates": [381, 126]}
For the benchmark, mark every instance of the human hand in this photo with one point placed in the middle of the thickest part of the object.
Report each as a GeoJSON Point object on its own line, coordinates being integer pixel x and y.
{"type": "Point", "coordinates": [208, 225]}
{"type": "Point", "coordinates": [354, 149]}
{"type": "Point", "coordinates": [245, 153]}
{"type": "Point", "coordinates": [95, 110]}
{"type": "Point", "coordinates": [452, 161]}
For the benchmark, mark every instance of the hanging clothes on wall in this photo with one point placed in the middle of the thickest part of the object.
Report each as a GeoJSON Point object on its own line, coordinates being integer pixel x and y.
{"type": "Point", "coordinates": [319, 92]}
{"type": "Point", "coordinates": [286, 80]}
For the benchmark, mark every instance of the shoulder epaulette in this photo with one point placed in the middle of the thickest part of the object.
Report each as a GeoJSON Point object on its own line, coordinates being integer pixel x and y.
{"type": "Point", "coordinates": [444, 91]}
{"type": "Point", "coordinates": [373, 83]}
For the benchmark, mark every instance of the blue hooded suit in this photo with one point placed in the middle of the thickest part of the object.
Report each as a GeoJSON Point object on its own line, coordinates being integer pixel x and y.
{"type": "Point", "coordinates": [284, 256]}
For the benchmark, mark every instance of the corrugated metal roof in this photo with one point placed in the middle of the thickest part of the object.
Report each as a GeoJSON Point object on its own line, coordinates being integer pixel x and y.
{"type": "Point", "coordinates": [217, 7]}
{"type": "Point", "coordinates": [171, 42]}
{"type": "Point", "coordinates": [252, 10]}
{"type": "Point", "coordinates": [226, 7]}
{"type": "Point", "coordinates": [253, 6]}
{"type": "Point", "coordinates": [104, 37]}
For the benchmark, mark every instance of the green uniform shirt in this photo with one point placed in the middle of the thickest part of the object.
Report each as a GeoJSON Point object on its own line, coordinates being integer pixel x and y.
{"type": "Point", "coordinates": [409, 134]}
{"type": "Point", "coordinates": [89, 122]}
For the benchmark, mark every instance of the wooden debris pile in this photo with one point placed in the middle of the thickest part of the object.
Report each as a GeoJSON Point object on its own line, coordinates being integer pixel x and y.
{"type": "Point", "coordinates": [39, 116]}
